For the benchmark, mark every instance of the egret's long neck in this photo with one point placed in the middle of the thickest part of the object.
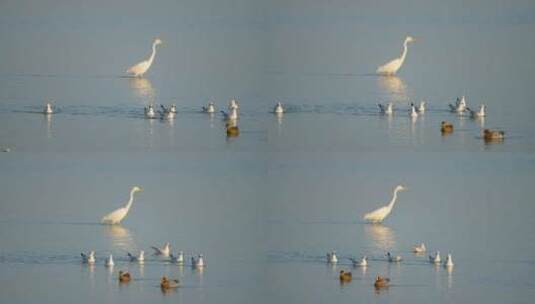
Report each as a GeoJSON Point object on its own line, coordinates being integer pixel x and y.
{"type": "Point", "coordinates": [131, 200]}
{"type": "Point", "coordinates": [151, 59]}
{"type": "Point", "coordinates": [404, 54]}
{"type": "Point", "coordinates": [394, 198]}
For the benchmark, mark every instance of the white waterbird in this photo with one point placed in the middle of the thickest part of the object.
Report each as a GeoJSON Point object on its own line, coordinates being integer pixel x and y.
{"type": "Point", "coordinates": [391, 67]}
{"type": "Point", "coordinates": [164, 251]}
{"type": "Point", "coordinates": [331, 257]}
{"type": "Point", "coordinates": [109, 261]}
{"type": "Point", "coordinates": [149, 111]}
{"type": "Point", "coordinates": [88, 258]}
{"type": "Point", "coordinates": [386, 109]}
{"type": "Point", "coordinates": [419, 248]}
{"type": "Point", "coordinates": [115, 217]}
{"type": "Point", "coordinates": [435, 259]}
{"type": "Point", "coordinates": [378, 215]}
{"type": "Point", "coordinates": [449, 261]}
{"type": "Point", "coordinates": [210, 108]}
{"type": "Point", "coordinates": [392, 258]}
{"type": "Point", "coordinates": [179, 259]}
{"type": "Point", "coordinates": [140, 258]}
{"type": "Point", "coordinates": [363, 262]}
{"type": "Point", "coordinates": [142, 67]}
{"type": "Point", "coordinates": [278, 108]}
{"type": "Point", "coordinates": [477, 114]}
{"type": "Point", "coordinates": [198, 262]}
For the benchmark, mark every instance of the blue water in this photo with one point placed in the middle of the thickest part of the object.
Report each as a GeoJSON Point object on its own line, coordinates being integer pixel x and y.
{"type": "Point", "coordinates": [266, 206]}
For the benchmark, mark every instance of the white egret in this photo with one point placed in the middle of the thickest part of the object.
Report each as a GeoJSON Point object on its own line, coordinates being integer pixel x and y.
{"type": "Point", "coordinates": [435, 259]}
{"type": "Point", "coordinates": [362, 263]}
{"type": "Point", "coordinates": [391, 67]}
{"type": "Point", "coordinates": [141, 68]}
{"type": "Point", "coordinates": [331, 257]}
{"type": "Point", "coordinates": [419, 248]}
{"type": "Point", "coordinates": [198, 262]}
{"type": "Point", "coordinates": [115, 217]}
{"type": "Point", "coordinates": [392, 258]}
{"type": "Point", "coordinates": [140, 258]}
{"type": "Point", "coordinates": [278, 108]}
{"type": "Point", "coordinates": [164, 251]}
{"type": "Point", "coordinates": [88, 258]}
{"type": "Point", "coordinates": [179, 259]}
{"type": "Point", "coordinates": [386, 109]}
{"type": "Point", "coordinates": [380, 214]}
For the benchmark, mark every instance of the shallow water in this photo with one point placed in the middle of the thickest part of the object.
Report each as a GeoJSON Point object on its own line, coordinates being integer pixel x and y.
{"type": "Point", "coordinates": [265, 207]}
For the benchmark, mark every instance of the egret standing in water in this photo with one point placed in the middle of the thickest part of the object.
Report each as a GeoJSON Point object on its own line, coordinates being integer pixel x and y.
{"type": "Point", "coordinates": [141, 68]}
{"type": "Point", "coordinates": [390, 68]}
{"type": "Point", "coordinates": [377, 216]}
{"type": "Point", "coordinates": [115, 217]}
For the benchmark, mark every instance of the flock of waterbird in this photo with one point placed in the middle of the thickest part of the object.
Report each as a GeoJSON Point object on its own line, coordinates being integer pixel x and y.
{"type": "Point", "coordinates": [377, 216]}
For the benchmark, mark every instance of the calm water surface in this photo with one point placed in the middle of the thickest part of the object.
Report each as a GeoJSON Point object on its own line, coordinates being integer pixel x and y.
{"type": "Point", "coordinates": [265, 207]}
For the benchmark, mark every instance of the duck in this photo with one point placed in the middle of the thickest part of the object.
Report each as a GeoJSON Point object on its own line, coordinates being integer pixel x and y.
{"type": "Point", "coordinates": [149, 112]}
{"type": "Point", "coordinates": [278, 108]}
{"type": "Point", "coordinates": [362, 263]}
{"type": "Point", "coordinates": [210, 108]}
{"type": "Point", "coordinates": [124, 277]}
{"type": "Point", "coordinates": [345, 276]}
{"type": "Point", "coordinates": [449, 261]}
{"type": "Point", "coordinates": [49, 108]}
{"type": "Point", "coordinates": [421, 107]}
{"type": "Point", "coordinates": [198, 262]}
{"type": "Point", "coordinates": [435, 259]}
{"type": "Point", "coordinates": [412, 112]}
{"type": "Point", "coordinates": [140, 258]}
{"type": "Point", "coordinates": [419, 248]}
{"type": "Point", "coordinates": [386, 109]}
{"type": "Point", "coordinates": [459, 106]}
{"type": "Point", "coordinates": [392, 258]}
{"type": "Point", "coordinates": [381, 282]}
{"type": "Point", "coordinates": [490, 135]}
{"type": "Point", "coordinates": [164, 251]}
{"type": "Point", "coordinates": [233, 131]}
{"type": "Point", "coordinates": [179, 259]}
{"type": "Point", "coordinates": [166, 284]}
{"type": "Point", "coordinates": [477, 114]}
{"type": "Point", "coordinates": [88, 258]}
{"type": "Point", "coordinates": [109, 261]}
{"type": "Point", "coordinates": [331, 257]}
{"type": "Point", "coordinates": [446, 127]}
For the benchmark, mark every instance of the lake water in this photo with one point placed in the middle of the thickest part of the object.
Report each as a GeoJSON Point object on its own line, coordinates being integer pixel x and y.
{"type": "Point", "coordinates": [265, 207]}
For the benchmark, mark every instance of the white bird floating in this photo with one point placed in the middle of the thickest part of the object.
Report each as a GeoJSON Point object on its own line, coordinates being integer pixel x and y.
{"type": "Point", "coordinates": [477, 114]}
{"type": "Point", "coordinates": [435, 259]}
{"type": "Point", "coordinates": [421, 107]}
{"type": "Point", "coordinates": [140, 258]}
{"type": "Point", "coordinates": [88, 258]}
{"type": "Point", "coordinates": [392, 258]}
{"type": "Point", "coordinates": [419, 248]}
{"type": "Point", "coordinates": [109, 261]}
{"type": "Point", "coordinates": [164, 251]}
{"type": "Point", "coordinates": [362, 263]}
{"type": "Point", "coordinates": [168, 113]}
{"type": "Point", "coordinates": [390, 68]}
{"type": "Point", "coordinates": [412, 112]}
{"type": "Point", "coordinates": [49, 108]}
{"type": "Point", "coordinates": [378, 215]}
{"type": "Point", "coordinates": [210, 108]}
{"type": "Point", "coordinates": [149, 112]}
{"type": "Point", "coordinates": [459, 106]}
{"type": "Point", "coordinates": [115, 217]}
{"type": "Point", "coordinates": [179, 259]}
{"type": "Point", "coordinates": [141, 68]}
{"type": "Point", "coordinates": [198, 262]}
{"type": "Point", "coordinates": [449, 261]}
{"type": "Point", "coordinates": [231, 115]}
{"type": "Point", "coordinates": [278, 108]}
{"type": "Point", "coordinates": [233, 104]}
{"type": "Point", "coordinates": [387, 109]}
{"type": "Point", "coordinates": [331, 257]}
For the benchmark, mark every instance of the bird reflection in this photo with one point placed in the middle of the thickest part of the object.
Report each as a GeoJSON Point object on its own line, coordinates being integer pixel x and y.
{"type": "Point", "coordinates": [49, 130]}
{"type": "Point", "coordinates": [120, 237]}
{"type": "Point", "coordinates": [142, 89]}
{"type": "Point", "coordinates": [393, 87]}
{"type": "Point", "coordinates": [383, 237]}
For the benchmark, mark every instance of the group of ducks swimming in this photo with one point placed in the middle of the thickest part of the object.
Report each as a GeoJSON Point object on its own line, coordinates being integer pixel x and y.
{"type": "Point", "coordinates": [165, 251]}
{"type": "Point", "coordinates": [383, 282]}
{"type": "Point", "coordinates": [460, 107]}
